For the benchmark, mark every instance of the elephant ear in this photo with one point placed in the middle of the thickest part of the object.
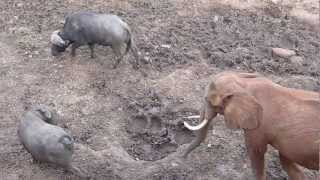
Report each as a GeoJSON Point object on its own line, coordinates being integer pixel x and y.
{"type": "Point", "coordinates": [242, 111]}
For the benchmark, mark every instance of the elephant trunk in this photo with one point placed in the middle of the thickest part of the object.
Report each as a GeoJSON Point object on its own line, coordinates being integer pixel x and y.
{"type": "Point", "coordinates": [206, 115]}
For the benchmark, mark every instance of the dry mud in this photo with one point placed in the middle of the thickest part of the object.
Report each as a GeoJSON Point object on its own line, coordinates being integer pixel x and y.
{"type": "Point", "coordinates": [107, 110]}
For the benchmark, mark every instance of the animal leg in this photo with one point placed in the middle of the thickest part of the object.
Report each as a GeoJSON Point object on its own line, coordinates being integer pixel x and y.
{"type": "Point", "coordinates": [91, 46]}
{"type": "Point", "coordinates": [149, 122]}
{"type": "Point", "coordinates": [119, 55]}
{"type": "Point", "coordinates": [256, 153]}
{"type": "Point", "coordinates": [35, 161]}
{"type": "Point", "coordinates": [73, 49]}
{"type": "Point", "coordinates": [294, 172]}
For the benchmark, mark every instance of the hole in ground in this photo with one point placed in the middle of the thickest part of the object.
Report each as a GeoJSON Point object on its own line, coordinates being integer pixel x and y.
{"type": "Point", "coordinates": [158, 140]}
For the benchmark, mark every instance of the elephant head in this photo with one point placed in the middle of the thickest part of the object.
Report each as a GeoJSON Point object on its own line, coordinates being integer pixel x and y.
{"type": "Point", "coordinates": [226, 95]}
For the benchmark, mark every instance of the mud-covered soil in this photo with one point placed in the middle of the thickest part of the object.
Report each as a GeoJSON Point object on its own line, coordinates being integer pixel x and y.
{"type": "Point", "coordinates": [128, 125]}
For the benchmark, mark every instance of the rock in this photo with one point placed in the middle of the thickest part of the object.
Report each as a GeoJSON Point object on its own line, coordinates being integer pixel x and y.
{"type": "Point", "coordinates": [173, 164]}
{"type": "Point", "coordinates": [284, 53]}
{"type": "Point", "coordinates": [299, 82]}
{"type": "Point", "coordinates": [297, 60]}
{"type": "Point", "coordinates": [216, 19]}
{"type": "Point", "coordinates": [19, 5]}
{"type": "Point", "coordinates": [166, 46]}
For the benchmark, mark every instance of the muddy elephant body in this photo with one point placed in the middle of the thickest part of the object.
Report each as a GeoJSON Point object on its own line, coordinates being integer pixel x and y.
{"type": "Point", "coordinates": [88, 28]}
{"type": "Point", "coordinates": [286, 118]}
{"type": "Point", "coordinates": [45, 141]}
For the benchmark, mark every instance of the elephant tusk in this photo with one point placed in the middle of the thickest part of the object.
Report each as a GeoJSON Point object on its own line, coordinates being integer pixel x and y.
{"type": "Point", "coordinates": [198, 127]}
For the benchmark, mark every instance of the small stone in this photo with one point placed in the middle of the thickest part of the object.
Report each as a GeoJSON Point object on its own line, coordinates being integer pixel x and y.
{"type": "Point", "coordinates": [20, 30]}
{"type": "Point", "coordinates": [284, 53]}
{"type": "Point", "coordinates": [275, 1]}
{"type": "Point", "coordinates": [245, 165]}
{"type": "Point", "coordinates": [209, 145]}
{"type": "Point", "coordinates": [166, 46]}
{"type": "Point", "coordinates": [147, 58]}
{"type": "Point", "coordinates": [19, 4]}
{"type": "Point", "coordinates": [173, 164]}
{"type": "Point", "coordinates": [297, 60]}
{"type": "Point", "coordinates": [216, 19]}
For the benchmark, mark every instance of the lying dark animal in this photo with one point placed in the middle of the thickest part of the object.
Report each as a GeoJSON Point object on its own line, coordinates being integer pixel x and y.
{"type": "Point", "coordinates": [45, 141]}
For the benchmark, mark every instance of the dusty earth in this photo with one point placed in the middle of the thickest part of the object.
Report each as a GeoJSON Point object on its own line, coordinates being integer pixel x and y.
{"type": "Point", "coordinates": [183, 44]}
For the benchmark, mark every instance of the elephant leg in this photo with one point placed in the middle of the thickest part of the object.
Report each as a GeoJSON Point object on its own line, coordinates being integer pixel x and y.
{"type": "Point", "coordinates": [257, 162]}
{"type": "Point", "coordinates": [256, 150]}
{"type": "Point", "coordinates": [293, 170]}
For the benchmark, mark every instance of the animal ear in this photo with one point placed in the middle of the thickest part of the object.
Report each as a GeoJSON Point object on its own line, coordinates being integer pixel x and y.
{"type": "Point", "coordinates": [56, 39]}
{"type": "Point", "coordinates": [242, 111]}
{"type": "Point", "coordinates": [67, 43]}
{"type": "Point", "coordinates": [44, 111]}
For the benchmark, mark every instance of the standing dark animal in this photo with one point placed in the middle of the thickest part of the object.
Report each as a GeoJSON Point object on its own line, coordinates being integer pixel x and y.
{"type": "Point", "coordinates": [87, 28]}
{"type": "Point", "coordinates": [45, 141]}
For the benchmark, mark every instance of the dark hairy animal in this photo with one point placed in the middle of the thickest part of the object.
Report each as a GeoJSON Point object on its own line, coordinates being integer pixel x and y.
{"type": "Point", "coordinates": [45, 141]}
{"type": "Point", "coordinates": [88, 28]}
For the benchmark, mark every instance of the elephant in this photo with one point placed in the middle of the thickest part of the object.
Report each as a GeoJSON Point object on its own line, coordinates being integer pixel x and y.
{"type": "Point", "coordinates": [286, 118]}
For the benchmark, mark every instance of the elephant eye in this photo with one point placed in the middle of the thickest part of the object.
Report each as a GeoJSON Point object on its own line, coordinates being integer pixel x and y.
{"type": "Point", "coordinates": [228, 97]}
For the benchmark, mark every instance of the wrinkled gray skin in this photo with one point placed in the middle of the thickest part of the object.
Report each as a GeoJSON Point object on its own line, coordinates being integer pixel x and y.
{"type": "Point", "coordinates": [45, 141]}
{"type": "Point", "coordinates": [87, 28]}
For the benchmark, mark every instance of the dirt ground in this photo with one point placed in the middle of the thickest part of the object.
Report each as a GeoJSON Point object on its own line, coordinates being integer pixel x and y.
{"type": "Point", "coordinates": [183, 43]}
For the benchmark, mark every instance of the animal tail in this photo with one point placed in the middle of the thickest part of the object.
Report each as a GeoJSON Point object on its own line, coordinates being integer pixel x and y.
{"type": "Point", "coordinates": [67, 141]}
{"type": "Point", "coordinates": [130, 44]}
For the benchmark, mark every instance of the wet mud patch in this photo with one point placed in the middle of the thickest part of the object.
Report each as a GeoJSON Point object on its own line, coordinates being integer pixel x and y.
{"type": "Point", "coordinates": [154, 130]}
{"type": "Point", "coordinates": [156, 138]}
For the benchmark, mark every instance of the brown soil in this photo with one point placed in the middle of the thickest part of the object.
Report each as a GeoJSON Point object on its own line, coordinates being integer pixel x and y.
{"type": "Point", "coordinates": [107, 109]}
